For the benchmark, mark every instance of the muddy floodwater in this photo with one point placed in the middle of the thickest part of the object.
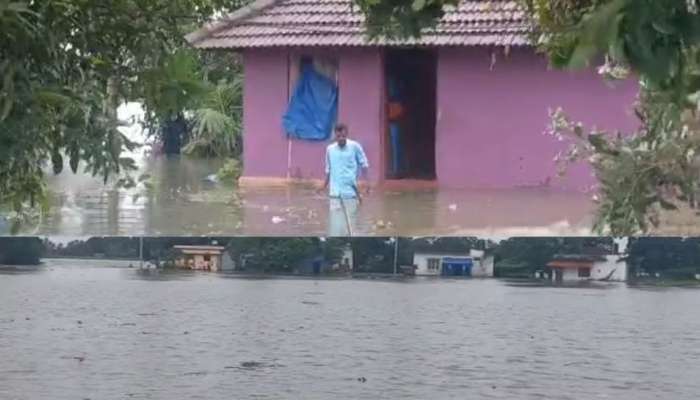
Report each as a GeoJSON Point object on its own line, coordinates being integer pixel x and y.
{"type": "Point", "coordinates": [83, 330]}
{"type": "Point", "coordinates": [182, 200]}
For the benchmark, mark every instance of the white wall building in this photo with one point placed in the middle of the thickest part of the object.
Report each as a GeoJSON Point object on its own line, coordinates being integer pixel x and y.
{"type": "Point", "coordinates": [605, 267]}
{"type": "Point", "coordinates": [476, 263]}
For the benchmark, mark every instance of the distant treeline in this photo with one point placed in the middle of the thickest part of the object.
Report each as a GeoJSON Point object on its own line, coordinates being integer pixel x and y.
{"type": "Point", "coordinates": [21, 250]}
{"type": "Point", "coordinates": [515, 257]}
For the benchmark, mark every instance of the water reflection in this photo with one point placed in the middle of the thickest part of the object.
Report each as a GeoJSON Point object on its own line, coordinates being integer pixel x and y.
{"type": "Point", "coordinates": [183, 201]}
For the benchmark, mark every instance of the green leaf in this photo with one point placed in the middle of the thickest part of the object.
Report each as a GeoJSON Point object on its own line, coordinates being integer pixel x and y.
{"type": "Point", "coordinates": [418, 5]}
{"type": "Point", "coordinates": [598, 30]}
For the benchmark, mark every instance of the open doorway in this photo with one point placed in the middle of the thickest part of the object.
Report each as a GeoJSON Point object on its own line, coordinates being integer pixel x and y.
{"type": "Point", "coordinates": [411, 79]}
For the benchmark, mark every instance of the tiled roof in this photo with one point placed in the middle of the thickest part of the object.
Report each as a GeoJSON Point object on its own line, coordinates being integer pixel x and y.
{"type": "Point", "coordinates": [272, 23]}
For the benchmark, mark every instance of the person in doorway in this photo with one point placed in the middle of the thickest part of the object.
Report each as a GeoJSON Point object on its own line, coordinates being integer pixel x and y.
{"type": "Point", "coordinates": [345, 163]}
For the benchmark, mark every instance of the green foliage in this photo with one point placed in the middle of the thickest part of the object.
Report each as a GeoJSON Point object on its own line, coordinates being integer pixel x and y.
{"type": "Point", "coordinates": [401, 18]}
{"type": "Point", "coordinates": [21, 251]}
{"type": "Point", "coordinates": [173, 87]}
{"type": "Point", "coordinates": [109, 247]}
{"type": "Point", "coordinates": [374, 254]}
{"type": "Point", "coordinates": [65, 67]}
{"type": "Point", "coordinates": [230, 172]}
{"type": "Point", "coordinates": [273, 254]}
{"type": "Point", "coordinates": [670, 257]}
{"type": "Point", "coordinates": [218, 121]}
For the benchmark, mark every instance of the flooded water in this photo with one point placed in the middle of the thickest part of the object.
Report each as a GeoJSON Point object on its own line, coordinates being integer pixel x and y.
{"type": "Point", "coordinates": [182, 201]}
{"type": "Point", "coordinates": [73, 330]}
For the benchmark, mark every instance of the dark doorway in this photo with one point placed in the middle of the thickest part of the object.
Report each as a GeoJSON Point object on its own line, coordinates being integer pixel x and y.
{"type": "Point", "coordinates": [558, 275]}
{"type": "Point", "coordinates": [411, 79]}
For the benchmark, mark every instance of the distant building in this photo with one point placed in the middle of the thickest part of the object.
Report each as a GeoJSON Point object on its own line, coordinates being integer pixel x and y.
{"type": "Point", "coordinates": [591, 267]}
{"type": "Point", "coordinates": [203, 258]}
{"type": "Point", "coordinates": [476, 263]}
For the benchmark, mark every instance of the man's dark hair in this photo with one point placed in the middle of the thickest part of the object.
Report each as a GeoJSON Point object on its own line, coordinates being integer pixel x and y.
{"type": "Point", "coordinates": [341, 128]}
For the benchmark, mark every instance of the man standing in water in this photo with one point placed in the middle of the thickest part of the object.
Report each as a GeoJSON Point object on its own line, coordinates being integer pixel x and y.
{"type": "Point", "coordinates": [345, 162]}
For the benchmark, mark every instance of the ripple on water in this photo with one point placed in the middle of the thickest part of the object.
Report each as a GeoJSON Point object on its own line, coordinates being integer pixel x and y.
{"type": "Point", "coordinates": [211, 336]}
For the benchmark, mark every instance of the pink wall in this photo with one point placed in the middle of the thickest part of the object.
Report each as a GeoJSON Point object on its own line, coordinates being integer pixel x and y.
{"type": "Point", "coordinates": [265, 101]}
{"type": "Point", "coordinates": [489, 127]}
{"type": "Point", "coordinates": [490, 123]}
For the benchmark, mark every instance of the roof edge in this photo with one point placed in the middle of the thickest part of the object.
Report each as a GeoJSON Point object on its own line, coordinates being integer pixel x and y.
{"type": "Point", "coordinates": [244, 12]}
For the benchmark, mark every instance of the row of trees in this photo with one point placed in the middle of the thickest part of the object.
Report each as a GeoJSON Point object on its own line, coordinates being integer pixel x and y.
{"type": "Point", "coordinates": [514, 257]}
{"type": "Point", "coordinates": [279, 254]}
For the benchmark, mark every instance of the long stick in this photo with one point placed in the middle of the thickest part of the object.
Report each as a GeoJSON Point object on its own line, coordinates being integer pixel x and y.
{"type": "Point", "coordinates": [347, 218]}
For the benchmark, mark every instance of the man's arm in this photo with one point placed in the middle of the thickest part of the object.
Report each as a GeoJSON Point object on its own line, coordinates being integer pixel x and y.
{"type": "Point", "coordinates": [363, 163]}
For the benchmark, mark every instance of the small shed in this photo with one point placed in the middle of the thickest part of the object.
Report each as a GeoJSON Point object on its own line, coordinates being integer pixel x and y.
{"type": "Point", "coordinates": [202, 258]}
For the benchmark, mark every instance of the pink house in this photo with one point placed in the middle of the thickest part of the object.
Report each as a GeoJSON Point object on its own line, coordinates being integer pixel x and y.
{"type": "Point", "coordinates": [475, 95]}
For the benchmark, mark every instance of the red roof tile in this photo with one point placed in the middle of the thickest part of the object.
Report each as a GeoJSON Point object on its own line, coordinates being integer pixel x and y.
{"type": "Point", "coordinates": [272, 23]}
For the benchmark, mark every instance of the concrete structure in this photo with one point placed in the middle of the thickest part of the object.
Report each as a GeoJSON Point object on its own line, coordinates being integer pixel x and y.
{"type": "Point", "coordinates": [476, 263]}
{"type": "Point", "coordinates": [203, 258]}
{"type": "Point", "coordinates": [478, 103]}
{"type": "Point", "coordinates": [605, 267]}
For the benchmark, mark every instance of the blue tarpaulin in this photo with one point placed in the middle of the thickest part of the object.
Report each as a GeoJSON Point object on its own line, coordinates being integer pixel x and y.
{"type": "Point", "coordinates": [313, 109]}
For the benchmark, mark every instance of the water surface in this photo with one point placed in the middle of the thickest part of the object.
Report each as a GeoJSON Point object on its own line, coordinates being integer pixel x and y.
{"type": "Point", "coordinates": [183, 202]}
{"type": "Point", "coordinates": [74, 330]}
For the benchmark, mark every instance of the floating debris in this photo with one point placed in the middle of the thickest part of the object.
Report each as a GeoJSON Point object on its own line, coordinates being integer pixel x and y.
{"type": "Point", "coordinates": [277, 220]}
{"type": "Point", "coordinates": [211, 178]}
{"type": "Point", "coordinates": [252, 364]}
{"type": "Point", "coordinates": [453, 207]}
{"type": "Point", "coordinates": [196, 373]}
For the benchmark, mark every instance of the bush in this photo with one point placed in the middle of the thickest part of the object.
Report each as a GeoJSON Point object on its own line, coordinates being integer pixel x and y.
{"type": "Point", "coordinates": [21, 250]}
{"type": "Point", "coordinates": [230, 172]}
{"type": "Point", "coordinates": [680, 273]}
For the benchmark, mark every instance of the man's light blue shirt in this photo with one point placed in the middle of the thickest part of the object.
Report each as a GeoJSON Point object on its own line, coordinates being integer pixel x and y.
{"type": "Point", "coordinates": [343, 166]}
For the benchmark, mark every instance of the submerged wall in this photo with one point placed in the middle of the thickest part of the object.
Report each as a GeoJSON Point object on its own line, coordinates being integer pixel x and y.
{"type": "Point", "coordinates": [266, 94]}
{"type": "Point", "coordinates": [491, 118]}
